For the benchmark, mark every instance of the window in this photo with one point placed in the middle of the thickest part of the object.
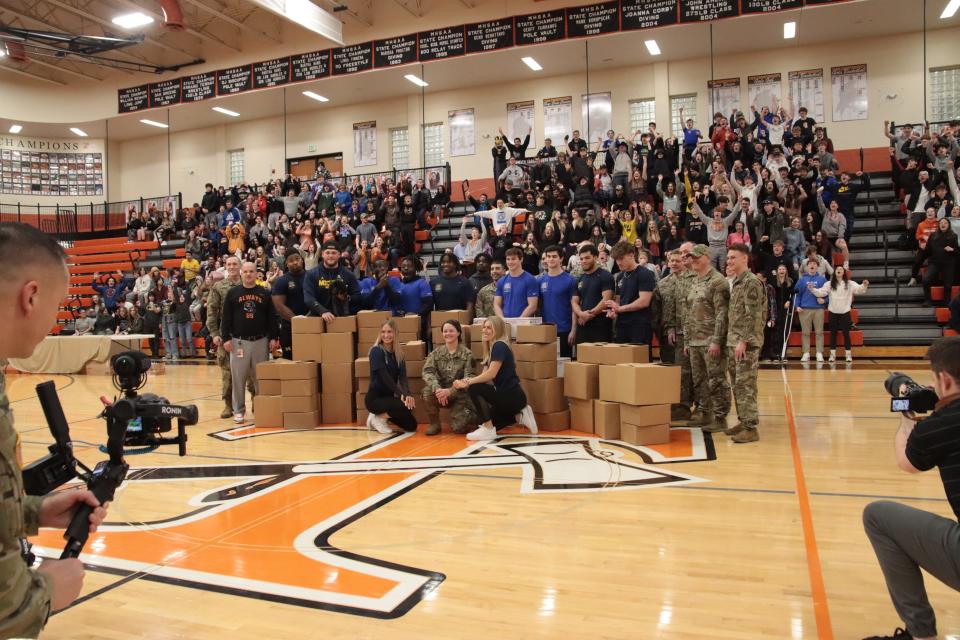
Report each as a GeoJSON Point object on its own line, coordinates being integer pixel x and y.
{"type": "Point", "coordinates": [235, 165]}
{"type": "Point", "coordinates": [689, 105]}
{"type": "Point", "coordinates": [399, 148]}
{"type": "Point", "coordinates": [433, 144]}
{"type": "Point", "coordinates": [944, 94]}
{"type": "Point", "coordinates": [642, 113]}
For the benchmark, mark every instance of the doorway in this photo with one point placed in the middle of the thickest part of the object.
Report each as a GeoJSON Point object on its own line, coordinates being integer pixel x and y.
{"type": "Point", "coordinates": [306, 168]}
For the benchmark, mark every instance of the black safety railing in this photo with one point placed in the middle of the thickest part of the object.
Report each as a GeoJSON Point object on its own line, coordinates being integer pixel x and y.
{"type": "Point", "coordinates": [886, 255]}
{"type": "Point", "coordinates": [896, 295]}
{"type": "Point", "coordinates": [432, 177]}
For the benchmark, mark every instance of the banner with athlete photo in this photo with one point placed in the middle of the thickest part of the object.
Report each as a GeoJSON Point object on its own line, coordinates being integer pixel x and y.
{"type": "Point", "coordinates": [365, 143]}
{"type": "Point", "coordinates": [463, 136]}
{"type": "Point", "coordinates": [806, 90]}
{"type": "Point", "coordinates": [520, 121]}
{"type": "Point", "coordinates": [557, 119]}
{"type": "Point", "coordinates": [724, 96]}
{"type": "Point", "coordinates": [849, 92]}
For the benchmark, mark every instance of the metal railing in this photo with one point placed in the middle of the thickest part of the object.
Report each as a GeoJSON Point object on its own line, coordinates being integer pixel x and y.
{"type": "Point", "coordinates": [886, 255]}
{"type": "Point", "coordinates": [432, 177]}
{"type": "Point", "coordinates": [896, 295]}
{"type": "Point", "coordinates": [83, 220]}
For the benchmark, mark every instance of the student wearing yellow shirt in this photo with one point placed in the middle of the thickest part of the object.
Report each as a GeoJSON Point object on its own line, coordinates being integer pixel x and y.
{"type": "Point", "coordinates": [190, 266]}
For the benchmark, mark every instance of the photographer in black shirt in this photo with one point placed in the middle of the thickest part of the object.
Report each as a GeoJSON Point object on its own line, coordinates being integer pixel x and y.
{"type": "Point", "coordinates": [906, 539]}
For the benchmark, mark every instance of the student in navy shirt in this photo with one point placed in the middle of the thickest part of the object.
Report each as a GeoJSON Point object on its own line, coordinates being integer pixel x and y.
{"type": "Point", "coordinates": [517, 292]}
{"type": "Point", "coordinates": [415, 295]}
{"type": "Point", "coordinates": [557, 288]}
{"type": "Point", "coordinates": [631, 308]}
{"type": "Point", "coordinates": [379, 292]}
{"type": "Point", "coordinates": [450, 289]}
{"type": "Point", "coordinates": [594, 289]}
{"type": "Point", "coordinates": [287, 296]}
{"type": "Point", "coordinates": [389, 397]}
{"type": "Point", "coordinates": [496, 393]}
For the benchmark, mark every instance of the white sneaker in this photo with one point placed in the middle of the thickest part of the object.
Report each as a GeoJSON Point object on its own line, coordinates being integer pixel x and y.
{"type": "Point", "coordinates": [805, 357]}
{"type": "Point", "coordinates": [912, 283]}
{"type": "Point", "coordinates": [819, 357]}
{"type": "Point", "coordinates": [482, 433]}
{"type": "Point", "coordinates": [849, 357]}
{"type": "Point", "coordinates": [238, 418]}
{"type": "Point", "coordinates": [527, 419]}
{"type": "Point", "coordinates": [833, 355]}
{"type": "Point", "coordinates": [381, 425]}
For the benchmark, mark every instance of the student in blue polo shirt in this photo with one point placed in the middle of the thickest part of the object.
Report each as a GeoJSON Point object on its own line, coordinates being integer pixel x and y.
{"type": "Point", "coordinates": [557, 288]}
{"type": "Point", "coordinates": [415, 294]}
{"type": "Point", "coordinates": [379, 292]}
{"type": "Point", "coordinates": [517, 291]}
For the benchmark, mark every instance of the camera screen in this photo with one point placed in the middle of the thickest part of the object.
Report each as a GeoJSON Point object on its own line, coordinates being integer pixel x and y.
{"type": "Point", "coordinates": [899, 404]}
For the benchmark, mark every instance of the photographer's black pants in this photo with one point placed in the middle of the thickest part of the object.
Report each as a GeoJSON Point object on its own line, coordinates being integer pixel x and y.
{"type": "Point", "coordinates": [907, 540]}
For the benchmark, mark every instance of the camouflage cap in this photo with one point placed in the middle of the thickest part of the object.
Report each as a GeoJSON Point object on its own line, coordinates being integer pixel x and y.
{"type": "Point", "coordinates": [700, 251]}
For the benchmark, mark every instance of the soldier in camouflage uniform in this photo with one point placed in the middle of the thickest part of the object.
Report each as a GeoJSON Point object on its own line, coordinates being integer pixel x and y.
{"type": "Point", "coordinates": [441, 368]}
{"type": "Point", "coordinates": [34, 269]}
{"type": "Point", "coordinates": [218, 294]}
{"type": "Point", "coordinates": [705, 332]}
{"type": "Point", "coordinates": [668, 291]}
{"type": "Point", "coordinates": [484, 306]}
{"type": "Point", "coordinates": [747, 316]}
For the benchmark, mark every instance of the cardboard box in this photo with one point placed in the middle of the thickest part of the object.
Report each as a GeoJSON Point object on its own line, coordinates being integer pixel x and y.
{"type": "Point", "coordinates": [363, 348]}
{"type": "Point", "coordinates": [307, 324]}
{"type": "Point", "coordinates": [361, 367]}
{"type": "Point", "coordinates": [645, 416]}
{"type": "Point", "coordinates": [556, 421]}
{"type": "Point", "coordinates": [307, 346]}
{"type": "Point", "coordinates": [337, 408]}
{"type": "Point", "coordinates": [343, 324]}
{"type": "Point", "coordinates": [416, 386]}
{"type": "Point", "coordinates": [477, 349]}
{"type": "Point", "coordinates": [650, 434]}
{"type": "Point", "coordinates": [337, 348]}
{"type": "Point", "coordinates": [361, 417]}
{"type": "Point", "coordinates": [545, 396]}
{"type": "Point", "coordinates": [415, 350]}
{"type": "Point", "coordinates": [414, 368]}
{"type": "Point", "coordinates": [640, 383]}
{"type": "Point", "coordinates": [581, 380]}
{"type": "Point", "coordinates": [409, 323]}
{"type": "Point", "coordinates": [292, 388]}
{"type": "Point", "coordinates": [359, 397]}
{"type": "Point", "coordinates": [581, 414]}
{"type": "Point", "coordinates": [606, 419]}
{"type": "Point", "coordinates": [361, 384]}
{"type": "Point", "coordinates": [472, 333]}
{"type": "Point", "coordinates": [372, 318]}
{"type": "Point", "coordinates": [286, 370]}
{"type": "Point", "coordinates": [368, 334]}
{"type": "Point", "coordinates": [268, 411]}
{"type": "Point", "coordinates": [537, 370]}
{"type": "Point", "coordinates": [535, 352]}
{"type": "Point", "coordinates": [420, 413]}
{"type": "Point", "coordinates": [299, 404]}
{"type": "Point", "coordinates": [612, 353]}
{"type": "Point", "coordinates": [437, 318]}
{"type": "Point", "coordinates": [337, 377]}
{"type": "Point", "coordinates": [537, 333]}
{"type": "Point", "coordinates": [269, 387]}
{"type": "Point", "coordinates": [436, 335]}
{"type": "Point", "coordinates": [407, 336]}
{"type": "Point", "coordinates": [301, 420]}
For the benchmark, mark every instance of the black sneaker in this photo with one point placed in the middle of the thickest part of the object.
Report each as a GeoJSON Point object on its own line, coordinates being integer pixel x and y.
{"type": "Point", "coordinates": [898, 634]}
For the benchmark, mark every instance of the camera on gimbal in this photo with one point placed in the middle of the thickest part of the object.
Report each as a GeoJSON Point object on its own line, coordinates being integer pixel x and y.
{"type": "Point", "coordinates": [908, 395]}
{"type": "Point", "coordinates": [148, 415]}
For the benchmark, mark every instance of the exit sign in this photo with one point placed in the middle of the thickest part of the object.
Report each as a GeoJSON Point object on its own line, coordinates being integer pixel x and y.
{"type": "Point", "coordinates": [311, 148]}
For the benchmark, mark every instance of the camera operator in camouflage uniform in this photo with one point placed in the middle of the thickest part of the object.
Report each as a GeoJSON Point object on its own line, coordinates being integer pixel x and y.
{"type": "Point", "coordinates": [448, 362]}
{"type": "Point", "coordinates": [34, 282]}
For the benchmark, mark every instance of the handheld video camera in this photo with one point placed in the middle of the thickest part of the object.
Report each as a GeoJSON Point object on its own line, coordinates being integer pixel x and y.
{"type": "Point", "coordinates": [907, 395]}
{"type": "Point", "coordinates": [145, 416]}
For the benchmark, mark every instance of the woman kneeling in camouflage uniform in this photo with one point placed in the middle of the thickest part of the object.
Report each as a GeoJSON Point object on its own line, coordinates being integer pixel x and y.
{"type": "Point", "coordinates": [448, 362]}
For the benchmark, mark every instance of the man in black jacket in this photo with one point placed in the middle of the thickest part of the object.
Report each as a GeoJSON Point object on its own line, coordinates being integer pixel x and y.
{"type": "Point", "coordinates": [518, 149]}
{"type": "Point", "coordinates": [209, 201]}
{"type": "Point", "coordinates": [328, 288]}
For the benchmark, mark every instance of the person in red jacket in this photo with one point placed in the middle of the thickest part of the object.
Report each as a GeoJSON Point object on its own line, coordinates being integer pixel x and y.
{"type": "Point", "coordinates": [925, 229]}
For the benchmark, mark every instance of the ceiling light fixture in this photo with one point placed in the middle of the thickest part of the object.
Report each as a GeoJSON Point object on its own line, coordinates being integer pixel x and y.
{"type": "Point", "coordinates": [950, 10]}
{"type": "Point", "coordinates": [652, 47]}
{"type": "Point", "coordinates": [79, 132]}
{"type": "Point", "coordinates": [316, 96]}
{"type": "Point", "coordinates": [415, 80]}
{"type": "Point", "coordinates": [226, 112]}
{"type": "Point", "coordinates": [790, 30]}
{"type": "Point", "coordinates": [132, 20]}
{"type": "Point", "coordinates": [533, 64]}
{"type": "Point", "coordinates": [16, 128]}
{"type": "Point", "coordinates": [154, 123]}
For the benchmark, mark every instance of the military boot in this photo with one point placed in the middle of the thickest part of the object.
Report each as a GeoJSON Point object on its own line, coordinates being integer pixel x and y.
{"type": "Point", "coordinates": [679, 412]}
{"type": "Point", "coordinates": [749, 434]}
{"type": "Point", "coordinates": [227, 412]}
{"type": "Point", "coordinates": [433, 429]}
{"type": "Point", "coordinates": [699, 418]}
{"type": "Point", "coordinates": [717, 425]}
{"type": "Point", "coordinates": [734, 430]}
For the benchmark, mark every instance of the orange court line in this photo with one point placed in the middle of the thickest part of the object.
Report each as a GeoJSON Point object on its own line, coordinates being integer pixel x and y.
{"type": "Point", "coordinates": [818, 591]}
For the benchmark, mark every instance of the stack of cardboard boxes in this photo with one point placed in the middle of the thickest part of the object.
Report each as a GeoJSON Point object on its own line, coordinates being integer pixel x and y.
{"type": "Point", "coordinates": [616, 393]}
{"type": "Point", "coordinates": [535, 353]}
{"type": "Point", "coordinates": [289, 395]}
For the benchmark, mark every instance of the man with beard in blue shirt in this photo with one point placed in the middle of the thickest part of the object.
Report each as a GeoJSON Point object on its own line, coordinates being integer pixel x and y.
{"type": "Point", "coordinates": [328, 288]}
{"type": "Point", "coordinates": [380, 292]}
{"type": "Point", "coordinates": [517, 291]}
{"type": "Point", "coordinates": [557, 288]}
{"type": "Point", "coordinates": [631, 308]}
{"type": "Point", "coordinates": [287, 295]}
{"type": "Point", "coordinates": [451, 290]}
{"type": "Point", "coordinates": [594, 289]}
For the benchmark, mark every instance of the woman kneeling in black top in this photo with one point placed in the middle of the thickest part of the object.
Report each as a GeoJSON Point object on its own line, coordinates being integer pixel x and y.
{"type": "Point", "coordinates": [389, 394]}
{"type": "Point", "coordinates": [502, 403]}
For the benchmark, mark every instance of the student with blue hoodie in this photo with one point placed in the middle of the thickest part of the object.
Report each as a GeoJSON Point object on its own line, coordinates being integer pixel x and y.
{"type": "Point", "coordinates": [810, 306]}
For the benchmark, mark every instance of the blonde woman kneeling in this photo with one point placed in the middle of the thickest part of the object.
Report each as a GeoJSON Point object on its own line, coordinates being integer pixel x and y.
{"type": "Point", "coordinates": [389, 397]}
{"type": "Point", "coordinates": [503, 402]}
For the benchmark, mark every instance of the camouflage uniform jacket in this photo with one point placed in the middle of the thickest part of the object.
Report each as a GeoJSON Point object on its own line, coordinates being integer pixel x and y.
{"type": "Point", "coordinates": [24, 594]}
{"type": "Point", "coordinates": [678, 308]}
{"type": "Point", "coordinates": [215, 304]}
{"type": "Point", "coordinates": [706, 317]}
{"type": "Point", "coordinates": [664, 317]}
{"type": "Point", "coordinates": [485, 298]}
{"type": "Point", "coordinates": [748, 311]}
{"type": "Point", "coordinates": [441, 368]}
